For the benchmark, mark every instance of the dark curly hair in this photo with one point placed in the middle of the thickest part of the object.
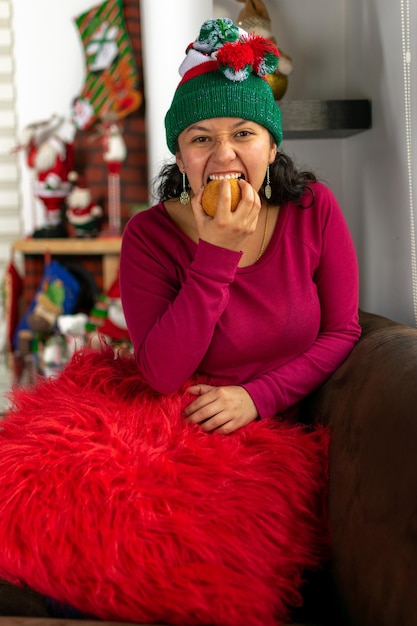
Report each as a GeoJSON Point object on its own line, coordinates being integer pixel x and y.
{"type": "Point", "coordinates": [288, 183]}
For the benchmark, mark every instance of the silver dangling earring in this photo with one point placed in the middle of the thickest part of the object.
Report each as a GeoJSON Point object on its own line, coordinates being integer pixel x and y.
{"type": "Point", "coordinates": [185, 196]}
{"type": "Point", "coordinates": [267, 190]}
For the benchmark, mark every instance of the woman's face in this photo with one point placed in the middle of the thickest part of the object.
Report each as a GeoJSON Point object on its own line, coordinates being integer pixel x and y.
{"type": "Point", "coordinates": [225, 147]}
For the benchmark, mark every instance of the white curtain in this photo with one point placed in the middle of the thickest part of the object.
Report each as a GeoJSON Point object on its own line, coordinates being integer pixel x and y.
{"type": "Point", "coordinates": [409, 79]}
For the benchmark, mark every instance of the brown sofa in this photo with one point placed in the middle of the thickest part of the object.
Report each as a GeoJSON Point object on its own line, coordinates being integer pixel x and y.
{"type": "Point", "coordinates": [370, 404]}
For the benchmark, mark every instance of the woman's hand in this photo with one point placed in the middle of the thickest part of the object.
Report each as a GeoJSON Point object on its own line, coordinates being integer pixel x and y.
{"type": "Point", "coordinates": [228, 229]}
{"type": "Point", "coordinates": [223, 409]}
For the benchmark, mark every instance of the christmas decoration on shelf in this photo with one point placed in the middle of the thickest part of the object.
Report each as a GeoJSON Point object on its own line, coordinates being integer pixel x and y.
{"type": "Point", "coordinates": [114, 153]}
{"type": "Point", "coordinates": [48, 147]}
{"type": "Point", "coordinates": [111, 85]}
{"type": "Point", "coordinates": [83, 214]}
{"type": "Point", "coordinates": [254, 18]}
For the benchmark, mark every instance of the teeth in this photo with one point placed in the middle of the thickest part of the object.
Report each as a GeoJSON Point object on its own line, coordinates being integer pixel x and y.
{"type": "Point", "coordinates": [226, 176]}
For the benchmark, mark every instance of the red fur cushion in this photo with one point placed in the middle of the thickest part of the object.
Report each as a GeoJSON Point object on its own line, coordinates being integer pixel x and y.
{"type": "Point", "coordinates": [110, 501]}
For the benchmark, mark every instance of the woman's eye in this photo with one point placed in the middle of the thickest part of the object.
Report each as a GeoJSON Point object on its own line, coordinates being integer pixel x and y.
{"type": "Point", "coordinates": [199, 139]}
{"type": "Point", "coordinates": [244, 133]}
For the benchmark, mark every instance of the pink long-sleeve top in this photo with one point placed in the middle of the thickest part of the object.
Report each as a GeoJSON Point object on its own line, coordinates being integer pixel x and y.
{"type": "Point", "coordinates": [279, 327]}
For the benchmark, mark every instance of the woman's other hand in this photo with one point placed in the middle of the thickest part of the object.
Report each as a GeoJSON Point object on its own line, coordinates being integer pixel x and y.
{"type": "Point", "coordinates": [220, 409]}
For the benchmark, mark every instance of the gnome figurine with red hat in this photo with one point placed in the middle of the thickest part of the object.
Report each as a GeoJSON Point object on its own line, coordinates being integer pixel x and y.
{"type": "Point", "coordinates": [83, 214]}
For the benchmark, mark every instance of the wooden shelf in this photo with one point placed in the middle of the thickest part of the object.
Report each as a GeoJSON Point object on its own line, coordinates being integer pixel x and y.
{"type": "Point", "coordinates": [98, 246]}
{"type": "Point", "coordinates": [324, 119]}
{"type": "Point", "coordinates": [108, 248]}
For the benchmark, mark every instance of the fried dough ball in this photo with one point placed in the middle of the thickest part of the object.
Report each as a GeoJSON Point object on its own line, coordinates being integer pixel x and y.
{"type": "Point", "coordinates": [211, 195]}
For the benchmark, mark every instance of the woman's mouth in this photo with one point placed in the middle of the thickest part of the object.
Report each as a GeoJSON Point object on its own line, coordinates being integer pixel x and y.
{"type": "Point", "coordinates": [235, 175]}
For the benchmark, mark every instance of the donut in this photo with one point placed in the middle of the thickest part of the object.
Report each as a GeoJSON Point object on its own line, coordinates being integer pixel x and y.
{"type": "Point", "coordinates": [211, 195]}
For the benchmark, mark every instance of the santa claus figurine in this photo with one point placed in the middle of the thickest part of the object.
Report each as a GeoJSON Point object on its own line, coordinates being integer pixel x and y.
{"type": "Point", "coordinates": [53, 162]}
{"type": "Point", "coordinates": [82, 213]}
{"type": "Point", "coordinates": [49, 153]}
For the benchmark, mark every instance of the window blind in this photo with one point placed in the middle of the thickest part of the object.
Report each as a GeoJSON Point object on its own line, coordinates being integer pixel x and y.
{"type": "Point", "coordinates": [10, 213]}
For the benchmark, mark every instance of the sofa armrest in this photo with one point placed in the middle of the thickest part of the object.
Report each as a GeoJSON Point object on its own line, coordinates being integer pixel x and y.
{"type": "Point", "coordinates": [370, 405]}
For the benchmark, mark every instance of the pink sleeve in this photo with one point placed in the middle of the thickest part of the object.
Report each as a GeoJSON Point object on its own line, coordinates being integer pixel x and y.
{"type": "Point", "coordinates": [171, 322]}
{"type": "Point", "coordinates": [337, 280]}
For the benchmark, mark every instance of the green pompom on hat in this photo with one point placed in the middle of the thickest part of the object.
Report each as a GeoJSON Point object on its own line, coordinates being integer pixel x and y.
{"type": "Point", "coordinates": [223, 75]}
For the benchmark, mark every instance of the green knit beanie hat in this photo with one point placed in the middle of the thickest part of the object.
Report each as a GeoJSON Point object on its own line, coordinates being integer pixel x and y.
{"type": "Point", "coordinates": [223, 75]}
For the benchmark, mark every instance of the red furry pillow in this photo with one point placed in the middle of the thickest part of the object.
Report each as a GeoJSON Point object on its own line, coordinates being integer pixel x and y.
{"type": "Point", "coordinates": [110, 501]}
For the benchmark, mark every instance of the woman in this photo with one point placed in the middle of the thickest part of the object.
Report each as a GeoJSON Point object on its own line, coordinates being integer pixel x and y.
{"type": "Point", "coordinates": [140, 508]}
{"type": "Point", "coordinates": [262, 300]}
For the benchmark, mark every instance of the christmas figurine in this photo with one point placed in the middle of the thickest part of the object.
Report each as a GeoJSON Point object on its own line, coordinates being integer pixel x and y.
{"type": "Point", "coordinates": [49, 153]}
{"type": "Point", "coordinates": [83, 214]}
{"type": "Point", "coordinates": [53, 162]}
{"type": "Point", "coordinates": [114, 153]}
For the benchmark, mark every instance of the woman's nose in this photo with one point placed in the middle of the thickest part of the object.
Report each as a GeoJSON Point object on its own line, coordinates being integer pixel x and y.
{"type": "Point", "coordinates": [224, 150]}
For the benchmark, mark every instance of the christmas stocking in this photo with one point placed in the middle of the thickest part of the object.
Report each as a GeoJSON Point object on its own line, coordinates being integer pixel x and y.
{"type": "Point", "coordinates": [111, 86]}
{"type": "Point", "coordinates": [13, 289]}
{"type": "Point", "coordinates": [107, 317]}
